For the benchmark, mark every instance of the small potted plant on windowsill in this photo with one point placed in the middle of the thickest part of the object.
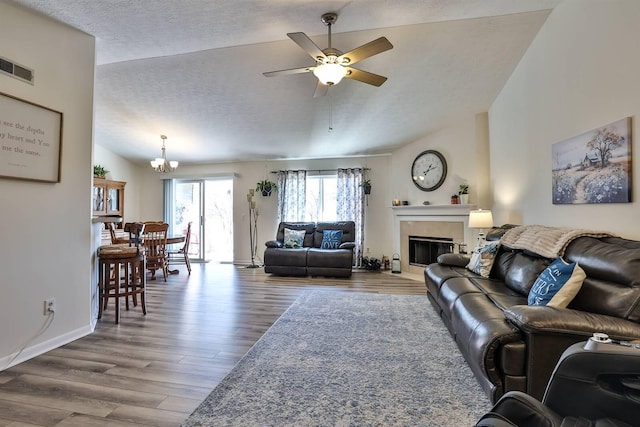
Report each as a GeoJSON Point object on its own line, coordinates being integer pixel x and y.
{"type": "Point", "coordinates": [266, 187]}
{"type": "Point", "coordinates": [463, 192]}
{"type": "Point", "coordinates": [99, 171]}
{"type": "Point", "coordinates": [366, 186]}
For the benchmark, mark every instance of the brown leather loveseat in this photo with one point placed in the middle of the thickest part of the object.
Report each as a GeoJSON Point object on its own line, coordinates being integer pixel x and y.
{"type": "Point", "coordinates": [510, 345]}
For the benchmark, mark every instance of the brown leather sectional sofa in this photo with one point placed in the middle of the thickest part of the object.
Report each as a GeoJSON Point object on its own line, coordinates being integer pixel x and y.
{"type": "Point", "coordinates": [512, 346]}
{"type": "Point", "coordinates": [311, 259]}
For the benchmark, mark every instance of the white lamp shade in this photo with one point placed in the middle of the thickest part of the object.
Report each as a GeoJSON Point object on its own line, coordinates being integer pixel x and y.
{"type": "Point", "coordinates": [480, 219]}
{"type": "Point", "coordinates": [173, 164]}
{"type": "Point", "coordinates": [330, 74]}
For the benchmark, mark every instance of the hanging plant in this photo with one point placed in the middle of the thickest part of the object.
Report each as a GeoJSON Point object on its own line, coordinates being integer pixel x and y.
{"type": "Point", "coordinates": [99, 171]}
{"type": "Point", "coordinates": [366, 186]}
{"type": "Point", "coordinates": [266, 187]}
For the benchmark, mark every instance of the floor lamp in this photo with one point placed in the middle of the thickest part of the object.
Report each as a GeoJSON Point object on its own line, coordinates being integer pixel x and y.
{"type": "Point", "coordinates": [253, 228]}
{"type": "Point", "coordinates": [480, 219]}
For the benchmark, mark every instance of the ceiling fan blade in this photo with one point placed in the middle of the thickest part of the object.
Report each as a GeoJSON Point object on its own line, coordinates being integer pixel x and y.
{"type": "Point", "coordinates": [307, 44]}
{"type": "Point", "coordinates": [289, 71]}
{"type": "Point", "coordinates": [366, 50]}
{"type": "Point", "coordinates": [365, 76]}
{"type": "Point", "coordinates": [321, 90]}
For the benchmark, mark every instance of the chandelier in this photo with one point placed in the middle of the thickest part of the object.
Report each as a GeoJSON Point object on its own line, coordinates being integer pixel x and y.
{"type": "Point", "coordinates": [160, 164]}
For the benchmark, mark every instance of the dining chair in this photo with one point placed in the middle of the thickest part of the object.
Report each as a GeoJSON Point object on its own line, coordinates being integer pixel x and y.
{"type": "Point", "coordinates": [115, 240]}
{"type": "Point", "coordinates": [184, 251]}
{"type": "Point", "coordinates": [155, 248]}
{"type": "Point", "coordinates": [135, 230]}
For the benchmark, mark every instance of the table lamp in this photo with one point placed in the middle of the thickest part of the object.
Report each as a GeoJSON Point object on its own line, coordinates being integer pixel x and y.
{"type": "Point", "coordinates": [480, 219]}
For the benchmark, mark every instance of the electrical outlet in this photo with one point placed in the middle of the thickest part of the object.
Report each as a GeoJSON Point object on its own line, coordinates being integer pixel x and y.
{"type": "Point", "coordinates": [368, 250]}
{"type": "Point", "coordinates": [49, 306]}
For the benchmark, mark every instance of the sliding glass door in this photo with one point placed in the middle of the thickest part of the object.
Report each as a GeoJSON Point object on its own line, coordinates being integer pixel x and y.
{"type": "Point", "coordinates": [187, 207]}
{"type": "Point", "coordinates": [208, 205]}
{"type": "Point", "coordinates": [218, 217]}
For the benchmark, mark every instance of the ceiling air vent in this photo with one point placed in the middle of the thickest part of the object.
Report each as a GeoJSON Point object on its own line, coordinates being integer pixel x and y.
{"type": "Point", "coordinates": [14, 70]}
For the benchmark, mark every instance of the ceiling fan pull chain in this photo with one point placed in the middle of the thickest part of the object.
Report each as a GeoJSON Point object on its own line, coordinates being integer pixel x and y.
{"type": "Point", "coordinates": [330, 112]}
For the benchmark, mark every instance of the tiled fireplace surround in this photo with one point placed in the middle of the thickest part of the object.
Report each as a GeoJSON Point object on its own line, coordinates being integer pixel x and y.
{"type": "Point", "coordinates": [450, 221]}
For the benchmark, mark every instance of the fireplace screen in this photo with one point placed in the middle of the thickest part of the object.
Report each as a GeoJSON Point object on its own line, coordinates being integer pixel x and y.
{"type": "Point", "coordinates": [425, 250]}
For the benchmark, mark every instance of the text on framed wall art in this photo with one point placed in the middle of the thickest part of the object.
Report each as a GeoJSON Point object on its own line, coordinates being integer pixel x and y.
{"type": "Point", "coordinates": [30, 140]}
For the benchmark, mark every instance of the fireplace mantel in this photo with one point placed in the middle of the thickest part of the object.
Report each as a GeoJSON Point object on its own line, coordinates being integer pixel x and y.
{"type": "Point", "coordinates": [432, 210]}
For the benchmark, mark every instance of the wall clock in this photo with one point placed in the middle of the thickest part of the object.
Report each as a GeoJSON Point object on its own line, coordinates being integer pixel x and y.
{"type": "Point", "coordinates": [429, 170]}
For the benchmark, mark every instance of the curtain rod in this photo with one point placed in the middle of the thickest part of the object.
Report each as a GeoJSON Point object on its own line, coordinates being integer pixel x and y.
{"type": "Point", "coordinates": [318, 170]}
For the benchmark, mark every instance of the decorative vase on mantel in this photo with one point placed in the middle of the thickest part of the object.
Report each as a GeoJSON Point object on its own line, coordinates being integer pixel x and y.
{"type": "Point", "coordinates": [463, 192]}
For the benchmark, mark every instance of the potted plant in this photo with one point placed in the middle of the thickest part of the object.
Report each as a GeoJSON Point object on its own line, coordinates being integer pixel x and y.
{"type": "Point", "coordinates": [266, 187]}
{"type": "Point", "coordinates": [99, 171]}
{"type": "Point", "coordinates": [463, 192]}
{"type": "Point", "coordinates": [366, 186]}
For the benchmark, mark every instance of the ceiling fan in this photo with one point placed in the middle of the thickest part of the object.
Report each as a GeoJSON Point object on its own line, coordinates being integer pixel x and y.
{"type": "Point", "coordinates": [331, 64]}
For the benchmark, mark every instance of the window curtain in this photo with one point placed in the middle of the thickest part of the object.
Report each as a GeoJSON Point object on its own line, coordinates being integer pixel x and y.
{"type": "Point", "coordinates": [351, 205]}
{"type": "Point", "coordinates": [292, 195]}
{"type": "Point", "coordinates": [169, 202]}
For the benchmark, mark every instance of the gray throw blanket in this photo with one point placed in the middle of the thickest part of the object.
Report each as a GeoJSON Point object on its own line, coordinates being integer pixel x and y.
{"type": "Point", "coordinates": [549, 242]}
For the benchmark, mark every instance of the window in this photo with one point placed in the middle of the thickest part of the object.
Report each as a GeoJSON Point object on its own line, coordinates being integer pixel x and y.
{"type": "Point", "coordinates": [321, 198]}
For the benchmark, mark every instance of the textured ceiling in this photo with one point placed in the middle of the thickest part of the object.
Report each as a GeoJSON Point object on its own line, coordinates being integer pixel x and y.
{"type": "Point", "coordinates": [192, 70]}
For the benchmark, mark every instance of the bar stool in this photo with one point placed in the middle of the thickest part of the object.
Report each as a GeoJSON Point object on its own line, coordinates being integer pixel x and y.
{"type": "Point", "coordinates": [121, 273]}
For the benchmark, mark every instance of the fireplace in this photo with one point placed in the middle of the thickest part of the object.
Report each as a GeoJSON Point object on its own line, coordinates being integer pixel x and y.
{"type": "Point", "coordinates": [424, 250]}
{"type": "Point", "coordinates": [443, 221]}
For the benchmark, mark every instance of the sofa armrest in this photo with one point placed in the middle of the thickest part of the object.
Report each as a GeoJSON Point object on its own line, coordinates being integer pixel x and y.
{"type": "Point", "coordinates": [273, 244]}
{"type": "Point", "coordinates": [455, 260]}
{"type": "Point", "coordinates": [347, 245]}
{"type": "Point", "coordinates": [564, 321]}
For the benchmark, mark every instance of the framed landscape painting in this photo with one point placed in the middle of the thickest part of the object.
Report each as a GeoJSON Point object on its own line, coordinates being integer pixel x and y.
{"type": "Point", "coordinates": [594, 167]}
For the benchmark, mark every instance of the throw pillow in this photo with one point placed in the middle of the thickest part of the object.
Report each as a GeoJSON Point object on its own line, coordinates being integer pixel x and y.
{"type": "Point", "coordinates": [293, 238]}
{"type": "Point", "coordinates": [482, 259]}
{"type": "Point", "coordinates": [557, 285]}
{"type": "Point", "coordinates": [331, 239]}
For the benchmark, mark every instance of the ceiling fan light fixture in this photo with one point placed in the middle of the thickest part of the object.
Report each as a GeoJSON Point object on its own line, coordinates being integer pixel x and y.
{"type": "Point", "coordinates": [330, 74]}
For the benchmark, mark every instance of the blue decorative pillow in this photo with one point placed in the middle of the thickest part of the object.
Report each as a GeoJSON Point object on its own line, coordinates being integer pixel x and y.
{"type": "Point", "coordinates": [293, 238]}
{"type": "Point", "coordinates": [331, 239]}
{"type": "Point", "coordinates": [557, 285]}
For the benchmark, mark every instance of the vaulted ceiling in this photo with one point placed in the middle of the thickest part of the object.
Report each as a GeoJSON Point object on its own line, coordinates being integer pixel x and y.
{"type": "Point", "coordinates": [192, 70]}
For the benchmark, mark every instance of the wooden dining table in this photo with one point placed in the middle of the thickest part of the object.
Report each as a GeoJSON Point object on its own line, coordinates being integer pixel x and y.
{"type": "Point", "coordinates": [171, 240]}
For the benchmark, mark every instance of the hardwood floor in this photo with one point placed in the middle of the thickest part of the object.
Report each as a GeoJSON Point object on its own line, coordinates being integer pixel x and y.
{"type": "Point", "coordinates": [156, 369]}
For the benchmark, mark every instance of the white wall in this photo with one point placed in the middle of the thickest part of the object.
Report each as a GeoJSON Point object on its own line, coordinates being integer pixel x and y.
{"type": "Point", "coordinates": [464, 145]}
{"type": "Point", "coordinates": [46, 228]}
{"type": "Point", "coordinates": [581, 72]}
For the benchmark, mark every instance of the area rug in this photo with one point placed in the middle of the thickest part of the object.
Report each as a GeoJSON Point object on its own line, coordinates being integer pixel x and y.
{"type": "Point", "coordinates": [349, 359]}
